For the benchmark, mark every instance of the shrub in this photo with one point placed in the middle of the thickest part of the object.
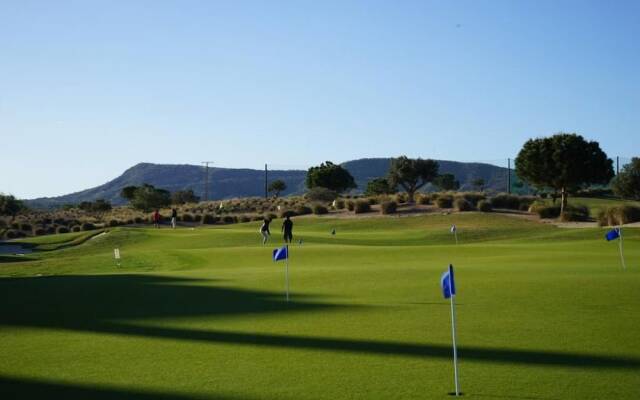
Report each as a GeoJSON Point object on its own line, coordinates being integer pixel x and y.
{"type": "Point", "coordinates": [209, 219]}
{"type": "Point", "coordinates": [26, 227]}
{"type": "Point", "coordinates": [75, 228]}
{"type": "Point", "coordinates": [472, 197]}
{"type": "Point", "coordinates": [138, 220]}
{"type": "Point", "coordinates": [351, 205]}
{"type": "Point", "coordinates": [424, 199]}
{"type": "Point", "coordinates": [372, 200]}
{"type": "Point", "coordinates": [50, 230]}
{"type": "Point", "coordinates": [114, 222]}
{"type": "Point", "coordinates": [244, 218]}
{"type": "Point", "coordinates": [129, 221]}
{"type": "Point", "coordinates": [229, 219]}
{"type": "Point", "coordinates": [319, 209]}
{"type": "Point", "coordinates": [197, 218]}
{"type": "Point", "coordinates": [444, 201]}
{"type": "Point", "coordinates": [39, 231]}
{"type": "Point", "coordinates": [575, 213]}
{"type": "Point", "coordinates": [484, 206]}
{"type": "Point", "coordinates": [272, 216]}
{"type": "Point", "coordinates": [11, 234]}
{"type": "Point", "coordinates": [545, 211]}
{"type": "Point", "coordinates": [303, 210]}
{"type": "Point", "coordinates": [388, 207]}
{"type": "Point", "coordinates": [62, 229]}
{"type": "Point", "coordinates": [87, 226]}
{"type": "Point", "coordinates": [321, 194]}
{"type": "Point", "coordinates": [619, 215]}
{"type": "Point", "coordinates": [362, 206]}
{"type": "Point", "coordinates": [504, 200]}
{"type": "Point", "coordinates": [462, 204]}
{"type": "Point", "coordinates": [339, 204]}
{"type": "Point", "coordinates": [287, 213]}
{"type": "Point", "coordinates": [401, 198]}
{"type": "Point", "coordinates": [187, 217]}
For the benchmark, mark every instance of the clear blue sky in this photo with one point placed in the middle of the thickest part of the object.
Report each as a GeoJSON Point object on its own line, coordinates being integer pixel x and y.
{"type": "Point", "coordinates": [89, 88]}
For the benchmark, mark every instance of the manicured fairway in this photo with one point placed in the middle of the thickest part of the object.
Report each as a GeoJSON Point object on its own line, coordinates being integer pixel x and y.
{"type": "Point", "coordinates": [544, 313]}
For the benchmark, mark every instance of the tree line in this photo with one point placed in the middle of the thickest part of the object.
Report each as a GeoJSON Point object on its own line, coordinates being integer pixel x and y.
{"type": "Point", "coordinates": [561, 164]}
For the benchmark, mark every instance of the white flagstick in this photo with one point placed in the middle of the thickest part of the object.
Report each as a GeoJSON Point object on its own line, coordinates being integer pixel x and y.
{"type": "Point", "coordinates": [620, 247]}
{"type": "Point", "coordinates": [454, 230]}
{"type": "Point", "coordinates": [116, 255]}
{"type": "Point", "coordinates": [286, 272]}
{"type": "Point", "coordinates": [453, 333]}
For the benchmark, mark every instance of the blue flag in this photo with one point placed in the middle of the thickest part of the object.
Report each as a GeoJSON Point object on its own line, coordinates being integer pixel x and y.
{"type": "Point", "coordinates": [447, 283]}
{"type": "Point", "coordinates": [612, 234]}
{"type": "Point", "coordinates": [280, 254]}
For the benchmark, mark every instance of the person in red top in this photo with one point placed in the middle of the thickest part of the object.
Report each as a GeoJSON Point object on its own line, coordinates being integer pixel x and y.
{"type": "Point", "coordinates": [156, 219]}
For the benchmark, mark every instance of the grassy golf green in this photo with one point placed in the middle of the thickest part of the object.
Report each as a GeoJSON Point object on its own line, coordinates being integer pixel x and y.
{"type": "Point", "coordinates": [543, 313]}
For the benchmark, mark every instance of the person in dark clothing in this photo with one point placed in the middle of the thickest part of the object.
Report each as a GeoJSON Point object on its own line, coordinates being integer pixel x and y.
{"type": "Point", "coordinates": [287, 228]}
{"type": "Point", "coordinates": [264, 230]}
{"type": "Point", "coordinates": [174, 217]}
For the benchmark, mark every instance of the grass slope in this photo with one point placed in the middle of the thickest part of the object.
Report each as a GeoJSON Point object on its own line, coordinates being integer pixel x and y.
{"type": "Point", "coordinates": [544, 313]}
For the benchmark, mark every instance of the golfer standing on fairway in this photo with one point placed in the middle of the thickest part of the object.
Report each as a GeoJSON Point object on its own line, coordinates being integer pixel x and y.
{"type": "Point", "coordinates": [174, 217]}
{"type": "Point", "coordinates": [264, 230]}
{"type": "Point", "coordinates": [156, 219]}
{"type": "Point", "coordinates": [287, 228]}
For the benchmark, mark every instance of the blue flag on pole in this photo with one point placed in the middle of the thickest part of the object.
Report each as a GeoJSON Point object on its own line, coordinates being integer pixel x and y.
{"type": "Point", "coordinates": [612, 234]}
{"type": "Point", "coordinates": [447, 283]}
{"type": "Point", "coordinates": [280, 254]}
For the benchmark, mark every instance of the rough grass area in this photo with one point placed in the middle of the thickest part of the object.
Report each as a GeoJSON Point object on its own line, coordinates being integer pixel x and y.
{"type": "Point", "coordinates": [543, 313]}
{"type": "Point", "coordinates": [596, 204]}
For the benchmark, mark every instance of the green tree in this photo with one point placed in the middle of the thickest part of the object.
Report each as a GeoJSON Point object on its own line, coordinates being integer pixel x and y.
{"type": "Point", "coordinates": [128, 192]}
{"type": "Point", "coordinates": [276, 187]}
{"type": "Point", "coordinates": [147, 198]}
{"type": "Point", "coordinates": [412, 174]}
{"type": "Point", "coordinates": [184, 196]}
{"type": "Point", "coordinates": [331, 176]}
{"type": "Point", "coordinates": [11, 206]}
{"type": "Point", "coordinates": [446, 182]}
{"type": "Point", "coordinates": [99, 205]}
{"type": "Point", "coordinates": [563, 162]}
{"type": "Point", "coordinates": [379, 186]}
{"type": "Point", "coordinates": [478, 184]}
{"type": "Point", "coordinates": [627, 183]}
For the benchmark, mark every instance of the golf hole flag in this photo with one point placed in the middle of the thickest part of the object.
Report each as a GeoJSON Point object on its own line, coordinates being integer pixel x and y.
{"type": "Point", "coordinates": [448, 285]}
{"type": "Point", "coordinates": [616, 233]}
{"type": "Point", "coordinates": [612, 234]}
{"type": "Point", "coordinates": [283, 254]}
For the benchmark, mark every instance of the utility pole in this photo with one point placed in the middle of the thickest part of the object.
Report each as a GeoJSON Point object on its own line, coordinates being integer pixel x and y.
{"type": "Point", "coordinates": [509, 175]}
{"type": "Point", "coordinates": [266, 185]}
{"type": "Point", "coordinates": [206, 179]}
{"type": "Point", "coordinates": [617, 165]}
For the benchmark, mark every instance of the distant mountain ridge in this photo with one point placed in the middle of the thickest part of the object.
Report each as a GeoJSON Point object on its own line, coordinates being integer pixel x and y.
{"type": "Point", "coordinates": [225, 183]}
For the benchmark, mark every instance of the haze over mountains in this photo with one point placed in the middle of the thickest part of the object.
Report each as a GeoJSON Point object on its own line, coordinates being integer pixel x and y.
{"type": "Point", "coordinates": [228, 183]}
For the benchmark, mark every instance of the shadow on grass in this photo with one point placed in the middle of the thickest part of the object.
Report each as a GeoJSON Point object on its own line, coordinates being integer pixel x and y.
{"type": "Point", "coordinates": [12, 259]}
{"type": "Point", "coordinates": [116, 304]}
{"type": "Point", "coordinates": [93, 302]}
{"type": "Point", "coordinates": [12, 388]}
{"type": "Point", "coordinates": [467, 353]}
